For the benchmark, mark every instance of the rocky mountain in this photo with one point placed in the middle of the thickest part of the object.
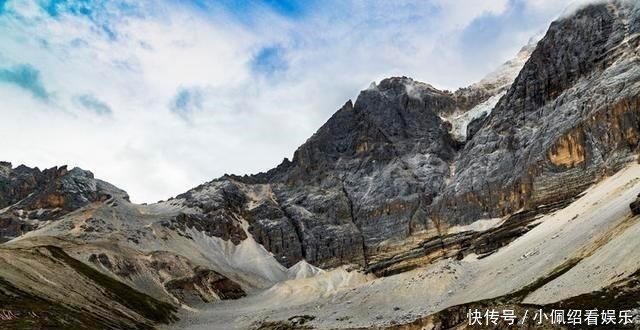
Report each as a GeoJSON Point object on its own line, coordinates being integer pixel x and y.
{"type": "Point", "coordinates": [496, 192]}
{"type": "Point", "coordinates": [363, 181]}
{"type": "Point", "coordinates": [29, 197]}
{"type": "Point", "coordinates": [384, 176]}
{"type": "Point", "coordinates": [570, 118]}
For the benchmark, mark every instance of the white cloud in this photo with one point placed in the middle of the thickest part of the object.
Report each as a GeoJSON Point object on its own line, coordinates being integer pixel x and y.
{"type": "Point", "coordinates": [246, 122]}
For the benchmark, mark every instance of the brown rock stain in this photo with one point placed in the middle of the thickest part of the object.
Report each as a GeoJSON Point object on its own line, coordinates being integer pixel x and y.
{"type": "Point", "coordinates": [569, 150]}
{"type": "Point", "coordinates": [53, 200]}
{"type": "Point", "coordinates": [362, 147]}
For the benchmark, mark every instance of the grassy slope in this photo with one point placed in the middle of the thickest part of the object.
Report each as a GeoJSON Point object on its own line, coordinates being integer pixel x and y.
{"type": "Point", "coordinates": [33, 312]}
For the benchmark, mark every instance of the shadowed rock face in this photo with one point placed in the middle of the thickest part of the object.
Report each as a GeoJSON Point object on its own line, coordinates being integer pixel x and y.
{"type": "Point", "coordinates": [204, 286]}
{"type": "Point", "coordinates": [635, 206]}
{"type": "Point", "coordinates": [363, 176]}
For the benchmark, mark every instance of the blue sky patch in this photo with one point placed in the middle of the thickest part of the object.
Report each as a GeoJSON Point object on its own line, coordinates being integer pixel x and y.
{"type": "Point", "coordinates": [186, 102]}
{"type": "Point", "coordinates": [269, 61]}
{"type": "Point", "coordinates": [246, 11]}
{"type": "Point", "coordinates": [26, 77]}
{"type": "Point", "coordinates": [290, 8]}
{"type": "Point", "coordinates": [76, 7]}
{"type": "Point", "coordinates": [91, 103]}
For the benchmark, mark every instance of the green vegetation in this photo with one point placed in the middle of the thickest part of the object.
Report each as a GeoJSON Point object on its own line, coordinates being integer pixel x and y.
{"type": "Point", "coordinates": [519, 295]}
{"type": "Point", "coordinates": [32, 312]}
{"type": "Point", "coordinates": [24, 310]}
{"type": "Point", "coordinates": [621, 295]}
{"type": "Point", "coordinates": [148, 307]}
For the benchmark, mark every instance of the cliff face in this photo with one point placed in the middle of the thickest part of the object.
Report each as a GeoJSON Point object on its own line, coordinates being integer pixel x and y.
{"type": "Point", "coordinates": [380, 170]}
{"type": "Point", "coordinates": [570, 118]}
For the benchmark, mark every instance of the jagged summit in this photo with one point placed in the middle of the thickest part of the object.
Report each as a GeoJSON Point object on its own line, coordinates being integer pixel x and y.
{"type": "Point", "coordinates": [29, 197]}
{"type": "Point", "coordinates": [404, 85]}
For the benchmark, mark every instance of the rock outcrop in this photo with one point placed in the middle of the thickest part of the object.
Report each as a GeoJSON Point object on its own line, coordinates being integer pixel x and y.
{"type": "Point", "coordinates": [204, 286]}
{"type": "Point", "coordinates": [29, 197]}
{"type": "Point", "coordinates": [635, 206]}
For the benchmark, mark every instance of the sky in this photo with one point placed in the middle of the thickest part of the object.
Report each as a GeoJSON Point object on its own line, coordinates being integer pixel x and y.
{"type": "Point", "coordinates": [157, 97]}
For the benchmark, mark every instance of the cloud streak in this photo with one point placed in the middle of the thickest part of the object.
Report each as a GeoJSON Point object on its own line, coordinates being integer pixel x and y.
{"type": "Point", "coordinates": [26, 77]}
{"type": "Point", "coordinates": [91, 103]}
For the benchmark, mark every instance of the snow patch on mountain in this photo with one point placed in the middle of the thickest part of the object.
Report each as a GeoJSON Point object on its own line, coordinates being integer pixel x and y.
{"type": "Point", "coordinates": [461, 122]}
